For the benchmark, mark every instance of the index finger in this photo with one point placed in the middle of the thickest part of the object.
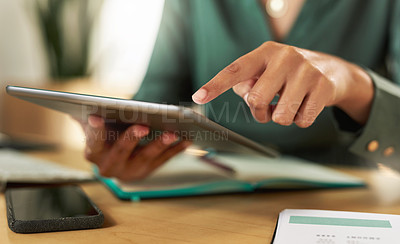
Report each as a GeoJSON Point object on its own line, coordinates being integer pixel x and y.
{"type": "Point", "coordinates": [244, 68]}
{"type": "Point", "coordinates": [95, 132]}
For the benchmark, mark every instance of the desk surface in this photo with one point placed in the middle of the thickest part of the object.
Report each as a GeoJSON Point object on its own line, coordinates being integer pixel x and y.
{"type": "Point", "coordinates": [240, 218]}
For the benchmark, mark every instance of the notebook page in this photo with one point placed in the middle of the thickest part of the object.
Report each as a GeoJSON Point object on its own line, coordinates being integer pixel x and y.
{"type": "Point", "coordinates": [183, 170]}
{"type": "Point", "coordinates": [252, 168]}
{"type": "Point", "coordinates": [187, 170]}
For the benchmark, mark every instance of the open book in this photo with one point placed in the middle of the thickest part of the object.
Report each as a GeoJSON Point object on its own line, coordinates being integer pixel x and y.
{"type": "Point", "coordinates": [187, 175]}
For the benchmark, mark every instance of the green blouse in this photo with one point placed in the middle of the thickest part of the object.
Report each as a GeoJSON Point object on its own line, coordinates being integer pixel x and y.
{"type": "Point", "coordinates": [198, 38]}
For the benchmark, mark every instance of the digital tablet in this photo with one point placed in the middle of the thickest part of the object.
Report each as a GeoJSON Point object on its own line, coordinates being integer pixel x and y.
{"type": "Point", "coordinates": [185, 122]}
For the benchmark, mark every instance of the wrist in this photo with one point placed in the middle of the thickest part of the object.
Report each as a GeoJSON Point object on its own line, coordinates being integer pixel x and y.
{"type": "Point", "coordinates": [359, 96]}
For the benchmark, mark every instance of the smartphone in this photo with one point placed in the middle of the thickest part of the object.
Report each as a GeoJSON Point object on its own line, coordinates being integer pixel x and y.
{"type": "Point", "coordinates": [45, 209]}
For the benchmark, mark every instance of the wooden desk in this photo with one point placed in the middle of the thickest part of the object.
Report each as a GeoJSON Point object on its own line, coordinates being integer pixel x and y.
{"type": "Point", "coordinates": [241, 218]}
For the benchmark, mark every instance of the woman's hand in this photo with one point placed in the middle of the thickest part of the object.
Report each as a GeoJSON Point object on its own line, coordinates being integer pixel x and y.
{"type": "Point", "coordinates": [118, 155]}
{"type": "Point", "coordinates": [306, 82]}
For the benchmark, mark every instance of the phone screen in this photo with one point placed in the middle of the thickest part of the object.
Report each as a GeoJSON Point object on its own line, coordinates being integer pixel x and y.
{"type": "Point", "coordinates": [50, 203]}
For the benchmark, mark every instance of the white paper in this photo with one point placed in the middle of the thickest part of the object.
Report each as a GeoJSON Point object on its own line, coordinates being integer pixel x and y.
{"type": "Point", "coordinates": [336, 227]}
{"type": "Point", "coordinates": [18, 167]}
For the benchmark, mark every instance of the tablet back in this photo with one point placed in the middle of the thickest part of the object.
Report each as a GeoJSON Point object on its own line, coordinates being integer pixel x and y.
{"type": "Point", "coordinates": [120, 113]}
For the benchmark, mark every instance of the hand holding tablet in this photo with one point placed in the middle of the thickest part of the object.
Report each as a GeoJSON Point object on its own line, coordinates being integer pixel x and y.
{"type": "Point", "coordinates": [116, 128]}
{"type": "Point", "coordinates": [124, 158]}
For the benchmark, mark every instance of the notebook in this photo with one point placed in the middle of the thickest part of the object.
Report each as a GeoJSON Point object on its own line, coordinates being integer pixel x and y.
{"type": "Point", "coordinates": [187, 175]}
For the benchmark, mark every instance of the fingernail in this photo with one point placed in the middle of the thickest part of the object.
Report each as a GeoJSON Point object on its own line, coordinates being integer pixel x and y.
{"type": "Point", "coordinates": [95, 122]}
{"type": "Point", "coordinates": [140, 130]}
{"type": "Point", "coordinates": [199, 96]}
{"type": "Point", "coordinates": [168, 139]}
{"type": "Point", "coordinates": [245, 98]}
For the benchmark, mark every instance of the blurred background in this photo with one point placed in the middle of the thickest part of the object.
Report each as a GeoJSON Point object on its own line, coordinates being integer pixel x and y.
{"type": "Point", "coordinates": [97, 47]}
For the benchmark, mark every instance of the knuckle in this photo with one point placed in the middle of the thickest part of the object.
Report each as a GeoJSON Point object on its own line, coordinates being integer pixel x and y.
{"type": "Point", "coordinates": [233, 68]}
{"type": "Point", "coordinates": [324, 87]}
{"type": "Point", "coordinates": [289, 49]}
{"type": "Point", "coordinates": [294, 54]}
{"type": "Point", "coordinates": [213, 85]}
{"type": "Point", "coordinates": [269, 44]}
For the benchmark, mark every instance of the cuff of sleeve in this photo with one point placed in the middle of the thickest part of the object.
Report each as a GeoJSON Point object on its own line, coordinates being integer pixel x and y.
{"type": "Point", "coordinates": [379, 140]}
{"type": "Point", "coordinates": [345, 123]}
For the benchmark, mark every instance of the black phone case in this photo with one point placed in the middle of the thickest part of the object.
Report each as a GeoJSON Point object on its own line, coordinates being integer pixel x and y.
{"type": "Point", "coordinates": [48, 225]}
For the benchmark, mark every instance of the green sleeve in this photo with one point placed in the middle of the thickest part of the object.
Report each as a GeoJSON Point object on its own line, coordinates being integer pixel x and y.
{"type": "Point", "coordinates": [383, 124]}
{"type": "Point", "coordinates": [168, 77]}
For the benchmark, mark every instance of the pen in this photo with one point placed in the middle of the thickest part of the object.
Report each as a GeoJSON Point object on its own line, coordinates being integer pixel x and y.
{"type": "Point", "coordinates": [208, 158]}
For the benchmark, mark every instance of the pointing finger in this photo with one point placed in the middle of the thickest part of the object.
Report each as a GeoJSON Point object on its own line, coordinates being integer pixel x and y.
{"type": "Point", "coordinates": [244, 68]}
